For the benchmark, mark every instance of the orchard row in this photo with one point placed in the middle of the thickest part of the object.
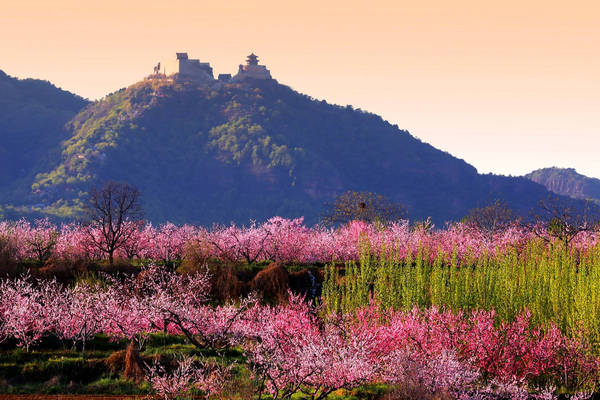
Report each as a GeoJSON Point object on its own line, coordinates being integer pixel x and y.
{"type": "Point", "coordinates": [297, 346]}
{"type": "Point", "coordinates": [278, 239]}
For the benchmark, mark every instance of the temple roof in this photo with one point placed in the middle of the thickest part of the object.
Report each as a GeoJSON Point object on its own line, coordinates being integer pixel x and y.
{"type": "Point", "coordinates": [252, 59]}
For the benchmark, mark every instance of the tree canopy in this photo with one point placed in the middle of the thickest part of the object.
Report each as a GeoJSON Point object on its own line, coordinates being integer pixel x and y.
{"type": "Point", "coordinates": [363, 206]}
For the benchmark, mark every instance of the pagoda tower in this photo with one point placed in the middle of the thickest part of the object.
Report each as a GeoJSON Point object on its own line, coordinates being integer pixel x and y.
{"type": "Point", "coordinates": [252, 70]}
{"type": "Point", "coordinates": [252, 59]}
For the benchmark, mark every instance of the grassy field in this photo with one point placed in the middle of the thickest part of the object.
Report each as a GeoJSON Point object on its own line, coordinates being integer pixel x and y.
{"type": "Point", "coordinates": [55, 372]}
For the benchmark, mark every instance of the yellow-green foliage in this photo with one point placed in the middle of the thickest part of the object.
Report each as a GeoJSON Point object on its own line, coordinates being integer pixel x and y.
{"type": "Point", "coordinates": [553, 284]}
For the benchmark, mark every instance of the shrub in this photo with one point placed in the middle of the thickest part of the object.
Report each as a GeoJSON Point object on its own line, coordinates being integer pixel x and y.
{"type": "Point", "coordinates": [273, 283]}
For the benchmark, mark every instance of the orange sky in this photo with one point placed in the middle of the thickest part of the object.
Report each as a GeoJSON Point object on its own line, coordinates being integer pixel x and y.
{"type": "Point", "coordinates": [509, 86]}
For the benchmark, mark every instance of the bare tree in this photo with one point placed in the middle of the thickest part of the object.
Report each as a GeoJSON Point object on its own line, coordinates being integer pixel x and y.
{"type": "Point", "coordinates": [564, 219]}
{"type": "Point", "coordinates": [490, 219]}
{"type": "Point", "coordinates": [363, 206]}
{"type": "Point", "coordinates": [113, 211]}
{"type": "Point", "coordinates": [43, 241]}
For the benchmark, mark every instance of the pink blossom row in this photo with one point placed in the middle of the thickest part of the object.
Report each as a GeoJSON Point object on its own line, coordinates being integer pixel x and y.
{"type": "Point", "coordinates": [278, 239]}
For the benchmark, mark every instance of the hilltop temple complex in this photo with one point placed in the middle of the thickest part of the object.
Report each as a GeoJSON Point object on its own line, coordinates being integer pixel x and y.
{"type": "Point", "coordinates": [195, 71]}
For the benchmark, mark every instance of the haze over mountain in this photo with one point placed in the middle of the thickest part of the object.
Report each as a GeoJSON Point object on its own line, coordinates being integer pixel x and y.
{"type": "Point", "coordinates": [567, 182]}
{"type": "Point", "coordinates": [234, 151]}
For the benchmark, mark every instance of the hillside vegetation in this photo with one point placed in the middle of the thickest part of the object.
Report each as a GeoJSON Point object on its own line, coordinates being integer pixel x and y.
{"type": "Point", "coordinates": [233, 152]}
{"type": "Point", "coordinates": [33, 114]}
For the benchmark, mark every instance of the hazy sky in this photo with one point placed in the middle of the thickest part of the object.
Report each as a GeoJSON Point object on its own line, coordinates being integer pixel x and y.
{"type": "Point", "coordinates": [509, 86]}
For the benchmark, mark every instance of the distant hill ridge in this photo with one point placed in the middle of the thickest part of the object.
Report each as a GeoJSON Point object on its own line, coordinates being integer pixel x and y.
{"type": "Point", "coordinates": [567, 182]}
{"type": "Point", "coordinates": [218, 151]}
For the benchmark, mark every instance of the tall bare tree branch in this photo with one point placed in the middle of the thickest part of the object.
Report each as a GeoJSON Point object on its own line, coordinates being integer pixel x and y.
{"type": "Point", "coordinates": [113, 212]}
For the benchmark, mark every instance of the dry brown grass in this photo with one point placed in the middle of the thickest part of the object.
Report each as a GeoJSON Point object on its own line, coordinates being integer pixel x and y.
{"type": "Point", "coordinates": [63, 270]}
{"type": "Point", "coordinates": [273, 283]}
{"type": "Point", "coordinates": [130, 363]}
{"type": "Point", "coordinates": [134, 364]}
{"type": "Point", "coordinates": [225, 282]}
{"type": "Point", "coordinates": [116, 362]}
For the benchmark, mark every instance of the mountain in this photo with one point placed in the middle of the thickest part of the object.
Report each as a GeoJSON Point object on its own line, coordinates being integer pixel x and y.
{"type": "Point", "coordinates": [33, 114]}
{"type": "Point", "coordinates": [220, 152]}
{"type": "Point", "coordinates": [567, 182]}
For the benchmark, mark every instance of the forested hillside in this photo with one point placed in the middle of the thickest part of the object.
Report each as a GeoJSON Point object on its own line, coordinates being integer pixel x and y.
{"type": "Point", "coordinates": [33, 114]}
{"type": "Point", "coordinates": [233, 152]}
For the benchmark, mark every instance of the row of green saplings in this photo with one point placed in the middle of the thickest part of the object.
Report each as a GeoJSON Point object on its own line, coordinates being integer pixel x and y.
{"type": "Point", "coordinates": [555, 285]}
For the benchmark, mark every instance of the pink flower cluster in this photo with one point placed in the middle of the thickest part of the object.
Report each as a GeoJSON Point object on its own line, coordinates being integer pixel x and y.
{"type": "Point", "coordinates": [295, 347]}
{"type": "Point", "coordinates": [435, 351]}
{"type": "Point", "coordinates": [25, 310]}
{"type": "Point", "coordinates": [189, 374]}
{"type": "Point", "coordinates": [278, 239]}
